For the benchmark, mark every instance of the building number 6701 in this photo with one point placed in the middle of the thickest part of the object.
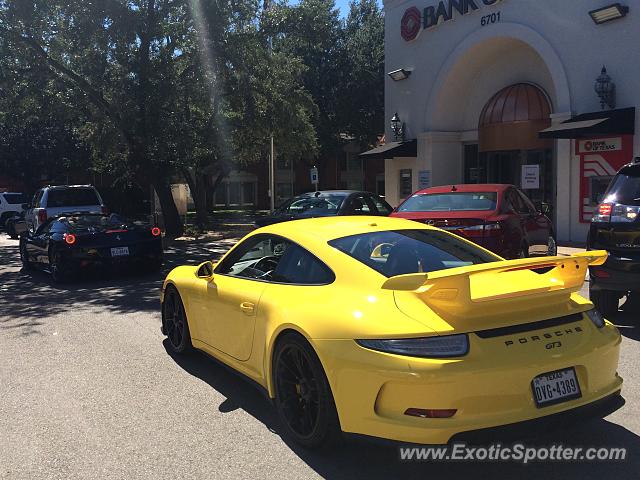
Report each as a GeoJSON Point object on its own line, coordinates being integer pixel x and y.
{"type": "Point", "coordinates": [489, 19]}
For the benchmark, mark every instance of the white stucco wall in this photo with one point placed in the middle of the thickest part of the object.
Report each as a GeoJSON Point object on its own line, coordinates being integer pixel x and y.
{"type": "Point", "coordinates": [458, 65]}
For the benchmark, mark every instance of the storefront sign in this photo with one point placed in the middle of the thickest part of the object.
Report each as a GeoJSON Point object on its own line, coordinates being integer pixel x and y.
{"type": "Point", "coordinates": [413, 21]}
{"type": "Point", "coordinates": [600, 159]}
{"type": "Point", "coordinates": [601, 145]}
{"type": "Point", "coordinates": [424, 179]}
{"type": "Point", "coordinates": [530, 177]}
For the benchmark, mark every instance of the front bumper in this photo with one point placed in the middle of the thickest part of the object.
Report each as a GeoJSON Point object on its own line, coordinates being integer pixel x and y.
{"type": "Point", "coordinates": [489, 387]}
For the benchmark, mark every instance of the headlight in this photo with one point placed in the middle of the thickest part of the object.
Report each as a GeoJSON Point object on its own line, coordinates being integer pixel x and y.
{"type": "Point", "coordinates": [430, 347]}
{"type": "Point", "coordinates": [596, 317]}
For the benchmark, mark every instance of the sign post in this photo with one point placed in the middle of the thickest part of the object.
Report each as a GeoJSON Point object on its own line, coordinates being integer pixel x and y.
{"type": "Point", "coordinates": [314, 177]}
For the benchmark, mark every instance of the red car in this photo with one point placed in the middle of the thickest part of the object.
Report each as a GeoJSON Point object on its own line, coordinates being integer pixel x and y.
{"type": "Point", "coordinates": [498, 217]}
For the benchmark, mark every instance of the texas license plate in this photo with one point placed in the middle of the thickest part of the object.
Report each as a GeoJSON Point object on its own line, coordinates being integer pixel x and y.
{"type": "Point", "coordinates": [120, 251]}
{"type": "Point", "coordinates": [555, 387]}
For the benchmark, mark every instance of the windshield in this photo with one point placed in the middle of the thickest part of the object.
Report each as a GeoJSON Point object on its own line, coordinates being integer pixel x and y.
{"type": "Point", "coordinates": [399, 252]}
{"type": "Point", "coordinates": [72, 197]}
{"type": "Point", "coordinates": [450, 202]}
{"type": "Point", "coordinates": [15, 198]}
{"type": "Point", "coordinates": [327, 204]}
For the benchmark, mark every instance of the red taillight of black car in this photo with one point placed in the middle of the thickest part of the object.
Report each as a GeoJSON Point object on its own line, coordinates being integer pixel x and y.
{"type": "Point", "coordinates": [42, 215]}
{"type": "Point", "coordinates": [155, 231]}
{"type": "Point", "coordinates": [69, 238]}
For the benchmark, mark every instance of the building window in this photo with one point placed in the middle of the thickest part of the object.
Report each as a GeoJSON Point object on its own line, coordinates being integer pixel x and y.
{"type": "Point", "coordinates": [406, 182]}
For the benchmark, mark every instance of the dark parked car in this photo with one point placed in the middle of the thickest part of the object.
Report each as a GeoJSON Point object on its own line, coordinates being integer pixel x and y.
{"type": "Point", "coordinates": [327, 203]}
{"type": "Point", "coordinates": [615, 227]}
{"type": "Point", "coordinates": [67, 244]}
{"type": "Point", "coordinates": [497, 217]}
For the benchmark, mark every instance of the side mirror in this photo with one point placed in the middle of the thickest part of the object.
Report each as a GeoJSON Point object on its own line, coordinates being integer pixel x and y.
{"type": "Point", "coordinates": [205, 270]}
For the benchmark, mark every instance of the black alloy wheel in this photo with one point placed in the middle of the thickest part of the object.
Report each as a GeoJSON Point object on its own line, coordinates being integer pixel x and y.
{"type": "Point", "coordinates": [174, 322]}
{"type": "Point", "coordinates": [303, 397]}
{"type": "Point", "coordinates": [24, 258]}
{"type": "Point", "coordinates": [56, 266]}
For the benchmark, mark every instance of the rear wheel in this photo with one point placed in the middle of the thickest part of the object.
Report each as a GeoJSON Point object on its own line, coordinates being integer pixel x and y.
{"type": "Point", "coordinates": [303, 397]}
{"type": "Point", "coordinates": [174, 322]}
{"type": "Point", "coordinates": [59, 271]}
{"type": "Point", "coordinates": [606, 301]}
{"type": "Point", "coordinates": [24, 258]}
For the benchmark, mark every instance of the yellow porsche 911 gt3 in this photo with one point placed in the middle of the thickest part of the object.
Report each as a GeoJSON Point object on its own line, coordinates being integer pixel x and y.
{"type": "Point", "coordinates": [389, 328]}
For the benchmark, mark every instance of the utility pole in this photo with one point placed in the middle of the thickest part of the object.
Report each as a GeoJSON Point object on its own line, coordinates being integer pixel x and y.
{"type": "Point", "coordinates": [272, 160]}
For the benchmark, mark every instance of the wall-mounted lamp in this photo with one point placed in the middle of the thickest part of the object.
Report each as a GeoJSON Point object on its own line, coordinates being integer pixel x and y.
{"type": "Point", "coordinates": [608, 13]}
{"type": "Point", "coordinates": [605, 89]}
{"type": "Point", "coordinates": [397, 126]}
{"type": "Point", "coordinates": [400, 74]}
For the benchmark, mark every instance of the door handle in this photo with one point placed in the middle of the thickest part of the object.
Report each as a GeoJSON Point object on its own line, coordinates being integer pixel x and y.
{"type": "Point", "coordinates": [247, 307]}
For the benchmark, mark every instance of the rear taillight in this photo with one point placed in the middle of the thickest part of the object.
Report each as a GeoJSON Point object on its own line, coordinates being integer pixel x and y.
{"type": "Point", "coordinates": [155, 231]}
{"type": "Point", "coordinates": [603, 213]}
{"type": "Point", "coordinates": [488, 230]}
{"type": "Point", "coordinates": [42, 215]}
{"type": "Point", "coordinates": [69, 238]}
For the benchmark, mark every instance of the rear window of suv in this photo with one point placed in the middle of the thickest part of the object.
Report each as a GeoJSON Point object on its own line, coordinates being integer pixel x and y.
{"type": "Point", "coordinates": [625, 186]}
{"type": "Point", "coordinates": [72, 197]}
{"type": "Point", "coordinates": [15, 198]}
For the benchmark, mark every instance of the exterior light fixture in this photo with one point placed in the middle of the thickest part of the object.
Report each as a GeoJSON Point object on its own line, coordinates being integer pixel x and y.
{"type": "Point", "coordinates": [397, 126]}
{"type": "Point", "coordinates": [605, 89]}
{"type": "Point", "coordinates": [608, 13]}
{"type": "Point", "coordinates": [400, 74]}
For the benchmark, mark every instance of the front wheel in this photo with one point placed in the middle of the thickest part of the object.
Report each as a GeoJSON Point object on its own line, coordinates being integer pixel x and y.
{"type": "Point", "coordinates": [57, 268]}
{"type": "Point", "coordinates": [606, 301]}
{"type": "Point", "coordinates": [174, 322]}
{"type": "Point", "coordinates": [303, 397]}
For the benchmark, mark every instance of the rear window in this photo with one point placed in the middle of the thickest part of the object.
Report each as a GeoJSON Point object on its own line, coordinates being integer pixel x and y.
{"type": "Point", "coordinates": [72, 197]}
{"type": "Point", "coordinates": [450, 202]}
{"type": "Point", "coordinates": [323, 204]}
{"type": "Point", "coordinates": [399, 252]}
{"type": "Point", "coordinates": [15, 198]}
{"type": "Point", "coordinates": [625, 186]}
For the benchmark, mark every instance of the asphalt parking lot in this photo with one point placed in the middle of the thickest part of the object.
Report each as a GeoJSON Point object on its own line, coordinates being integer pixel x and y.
{"type": "Point", "coordinates": [88, 390]}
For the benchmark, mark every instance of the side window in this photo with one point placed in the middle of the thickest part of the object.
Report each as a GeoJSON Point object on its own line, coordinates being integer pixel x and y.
{"type": "Point", "coordinates": [300, 267]}
{"type": "Point", "coordinates": [381, 206]}
{"type": "Point", "coordinates": [37, 198]}
{"type": "Point", "coordinates": [256, 258]}
{"type": "Point", "coordinates": [360, 206]}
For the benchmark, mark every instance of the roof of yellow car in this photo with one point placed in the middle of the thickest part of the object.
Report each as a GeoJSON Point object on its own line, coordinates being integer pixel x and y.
{"type": "Point", "coordinates": [329, 228]}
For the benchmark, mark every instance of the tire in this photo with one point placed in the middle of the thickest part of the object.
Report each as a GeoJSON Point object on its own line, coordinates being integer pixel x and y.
{"type": "Point", "coordinates": [174, 322]}
{"type": "Point", "coordinates": [11, 230]}
{"type": "Point", "coordinates": [303, 400]}
{"type": "Point", "coordinates": [606, 301]}
{"type": "Point", "coordinates": [524, 251]}
{"type": "Point", "coordinates": [552, 246]}
{"type": "Point", "coordinates": [59, 273]}
{"type": "Point", "coordinates": [26, 264]}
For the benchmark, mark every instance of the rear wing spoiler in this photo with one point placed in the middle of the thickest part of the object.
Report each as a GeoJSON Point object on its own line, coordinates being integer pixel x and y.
{"type": "Point", "coordinates": [458, 289]}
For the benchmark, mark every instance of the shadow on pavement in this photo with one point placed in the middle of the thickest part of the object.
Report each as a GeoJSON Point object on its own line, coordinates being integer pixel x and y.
{"type": "Point", "coordinates": [27, 297]}
{"type": "Point", "coordinates": [368, 459]}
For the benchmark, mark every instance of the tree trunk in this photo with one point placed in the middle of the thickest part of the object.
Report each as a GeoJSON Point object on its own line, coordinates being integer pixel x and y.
{"type": "Point", "coordinates": [198, 193]}
{"type": "Point", "coordinates": [211, 198]}
{"type": "Point", "coordinates": [172, 222]}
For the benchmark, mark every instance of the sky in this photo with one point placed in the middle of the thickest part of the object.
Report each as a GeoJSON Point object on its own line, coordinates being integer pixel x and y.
{"type": "Point", "coordinates": [342, 5]}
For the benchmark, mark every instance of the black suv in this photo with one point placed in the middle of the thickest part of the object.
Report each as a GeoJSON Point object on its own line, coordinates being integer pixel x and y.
{"type": "Point", "coordinates": [615, 227]}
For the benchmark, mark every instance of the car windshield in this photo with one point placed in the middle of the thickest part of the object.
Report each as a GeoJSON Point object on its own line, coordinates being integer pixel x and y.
{"type": "Point", "coordinates": [326, 204]}
{"type": "Point", "coordinates": [15, 198]}
{"type": "Point", "coordinates": [450, 202]}
{"type": "Point", "coordinates": [399, 252]}
{"type": "Point", "coordinates": [72, 197]}
{"type": "Point", "coordinates": [625, 187]}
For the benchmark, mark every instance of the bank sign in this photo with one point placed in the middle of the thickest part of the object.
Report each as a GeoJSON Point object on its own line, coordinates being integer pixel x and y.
{"type": "Point", "coordinates": [414, 21]}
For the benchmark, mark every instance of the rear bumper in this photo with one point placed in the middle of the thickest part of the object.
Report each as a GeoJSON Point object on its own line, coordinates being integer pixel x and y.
{"type": "Point", "coordinates": [144, 252]}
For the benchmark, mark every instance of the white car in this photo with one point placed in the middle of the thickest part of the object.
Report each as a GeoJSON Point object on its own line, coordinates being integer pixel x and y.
{"type": "Point", "coordinates": [52, 201]}
{"type": "Point", "coordinates": [11, 204]}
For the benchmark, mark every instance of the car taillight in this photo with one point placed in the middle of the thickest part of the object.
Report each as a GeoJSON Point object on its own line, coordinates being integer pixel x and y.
{"type": "Point", "coordinates": [69, 238]}
{"type": "Point", "coordinates": [488, 229]}
{"type": "Point", "coordinates": [155, 231]}
{"type": "Point", "coordinates": [603, 213]}
{"type": "Point", "coordinates": [42, 215]}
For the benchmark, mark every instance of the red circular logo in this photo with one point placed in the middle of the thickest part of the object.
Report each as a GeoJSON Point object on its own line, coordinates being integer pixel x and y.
{"type": "Point", "coordinates": [588, 146]}
{"type": "Point", "coordinates": [410, 24]}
